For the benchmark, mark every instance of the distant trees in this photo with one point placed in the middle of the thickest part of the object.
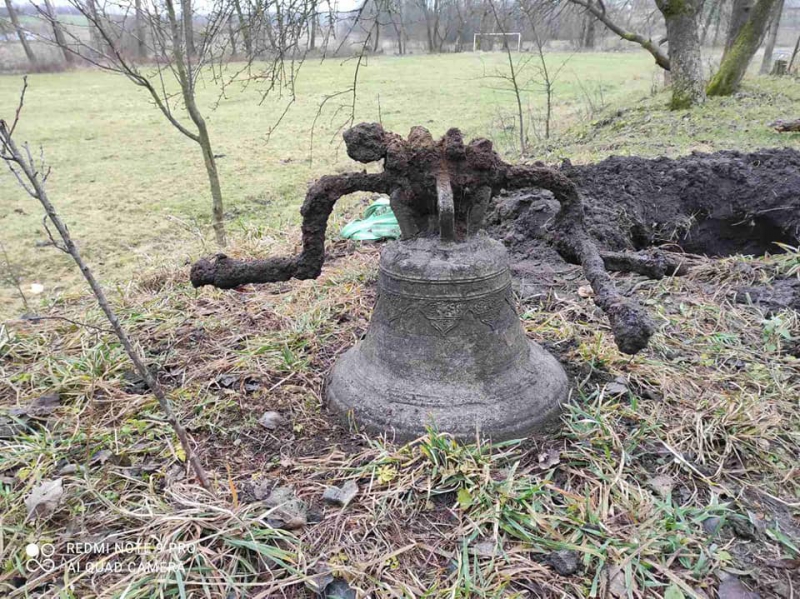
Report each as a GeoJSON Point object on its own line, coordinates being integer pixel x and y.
{"type": "Point", "coordinates": [21, 33]}
{"type": "Point", "coordinates": [139, 33]}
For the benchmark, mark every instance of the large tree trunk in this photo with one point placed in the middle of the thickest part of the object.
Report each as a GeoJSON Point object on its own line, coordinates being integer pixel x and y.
{"type": "Point", "coordinates": [686, 68]}
{"type": "Point", "coordinates": [69, 58]}
{"type": "Point", "coordinates": [12, 14]}
{"type": "Point", "coordinates": [740, 13]}
{"type": "Point", "coordinates": [740, 52]}
{"type": "Point", "coordinates": [772, 38]}
{"type": "Point", "coordinates": [141, 45]}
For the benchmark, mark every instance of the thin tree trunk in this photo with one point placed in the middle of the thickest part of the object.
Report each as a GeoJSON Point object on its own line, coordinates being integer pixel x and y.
{"type": "Point", "coordinates": [312, 44]}
{"type": "Point", "coordinates": [794, 56]}
{"type": "Point", "coordinates": [686, 68]}
{"type": "Point", "coordinates": [740, 14]}
{"type": "Point", "coordinates": [37, 191]}
{"type": "Point", "coordinates": [712, 13]}
{"type": "Point", "coordinates": [244, 25]}
{"type": "Point", "coordinates": [95, 38]}
{"type": "Point", "coordinates": [738, 56]}
{"type": "Point", "coordinates": [58, 33]}
{"type": "Point", "coordinates": [232, 36]}
{"type": "Point", "coordinates": [12, 14]}
{"type": "Point", "coordinates": [772, 38]}
{"type": "Point", "coordinates": [187, 89]}
{"type": "Point", "coordinates": [588, 40]}
{"type": "Point", "coordinates": [141, 45]}
{"type": "Point", "coordinates": [188, 27]}
{"type": "Point", "coordinates": [717, 28]}
{"type": "Point", "coordinates": [376, 45]}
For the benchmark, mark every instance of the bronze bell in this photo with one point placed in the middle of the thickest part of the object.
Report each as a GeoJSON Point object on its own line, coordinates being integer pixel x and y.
{"type": "Point", "coordinates": [445, 347]}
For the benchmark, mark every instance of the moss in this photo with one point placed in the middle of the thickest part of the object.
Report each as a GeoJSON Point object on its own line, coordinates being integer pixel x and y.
{"type": "Point", "coordinates": [682, 99]}
{"type": "Point", "coordinates": [736, 60]}
{"type": "Point", "coordinates": [675, 8]}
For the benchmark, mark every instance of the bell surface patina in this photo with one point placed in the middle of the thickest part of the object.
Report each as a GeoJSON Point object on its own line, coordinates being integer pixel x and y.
{"type": "Point", "coordinates": [446, 349]}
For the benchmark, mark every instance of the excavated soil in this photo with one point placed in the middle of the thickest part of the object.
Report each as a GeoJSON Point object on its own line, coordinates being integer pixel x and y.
{"type": "Point", "coordinates": [710, 204]}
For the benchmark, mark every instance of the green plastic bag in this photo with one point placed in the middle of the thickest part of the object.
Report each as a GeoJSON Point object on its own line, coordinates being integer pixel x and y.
{"type": "Point", "coordinates": [378, 223]}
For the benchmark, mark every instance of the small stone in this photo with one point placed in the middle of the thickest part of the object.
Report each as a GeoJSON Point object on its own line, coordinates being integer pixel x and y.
{"type": "Point", "coordinates": [341, 496]}
{"type": "Point", "coordinates": [339, 589]}
{"type": "Point", "coordinates": [44, 405]}
{"type": "Point", "coordinates": [744, 529]}
{"type": "Point", "coordinates": [271, 420]}
{"type": "Point", "coordinates": [288, 511]}
{"type": "Point", "coordinates": [730, 587]}
{"type": "Point", "coordinates": [101, 457]}
{"type": "Point", "coordinates": [68, 469]}
{"type": "Point", "coordinates": [9, 429]}
{"type": "Point", "coordinates": [262, 489]}
{"type": "Point", "coordinates": [484, 549]}
{"type": "Point", "coordinates": [566, 562]}
{"type": "Point", "coordinates": [662, 485]}
{"type": "Point", "coordinates": [618, 386]}
{"type": "Point", "coordinates": [712, 525]}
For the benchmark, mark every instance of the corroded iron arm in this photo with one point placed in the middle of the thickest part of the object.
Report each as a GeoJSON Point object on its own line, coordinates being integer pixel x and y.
{"type": "Point", "coordinates": [226, 273]}
{"type": "Point", "coordinates": [630, 323]}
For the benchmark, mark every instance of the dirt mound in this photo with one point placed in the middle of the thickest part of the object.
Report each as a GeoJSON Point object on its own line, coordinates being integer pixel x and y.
{"type": "Point", "coordinates": [713, 204]}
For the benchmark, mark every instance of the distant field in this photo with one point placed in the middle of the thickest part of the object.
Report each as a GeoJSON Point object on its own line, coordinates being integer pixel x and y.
{"type": "Point", "coordinates": [134, 192]}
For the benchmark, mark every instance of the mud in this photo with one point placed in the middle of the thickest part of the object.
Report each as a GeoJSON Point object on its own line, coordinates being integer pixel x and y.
{"type": "Point", "coordinates": [710, 204]}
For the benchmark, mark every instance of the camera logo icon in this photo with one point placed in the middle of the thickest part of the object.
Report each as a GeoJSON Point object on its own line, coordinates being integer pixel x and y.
{"type": "Point", "coordinates": [40, 557]}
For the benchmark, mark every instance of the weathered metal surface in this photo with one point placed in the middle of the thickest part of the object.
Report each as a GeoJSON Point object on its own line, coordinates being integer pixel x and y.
{"type": "Point", "coordinates": [445, 348]}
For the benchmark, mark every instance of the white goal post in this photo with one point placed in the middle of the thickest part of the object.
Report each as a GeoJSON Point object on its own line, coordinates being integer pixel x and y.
{"type": "Point", "coordinates": [475, 37]}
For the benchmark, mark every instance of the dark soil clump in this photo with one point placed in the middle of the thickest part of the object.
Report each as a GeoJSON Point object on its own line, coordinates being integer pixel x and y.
{"type": "Point", "coordinates": [714, 204]}
{"type": "Point", "coordinates": [711, 204]}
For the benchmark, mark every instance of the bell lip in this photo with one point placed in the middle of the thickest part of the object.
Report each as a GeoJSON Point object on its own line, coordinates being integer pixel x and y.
{"type": "Point", "coordinates": [525, 414]}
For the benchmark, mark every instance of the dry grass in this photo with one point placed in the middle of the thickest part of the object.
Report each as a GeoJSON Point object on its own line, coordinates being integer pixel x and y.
{"type": "Point", "coordinates": [708, 429]}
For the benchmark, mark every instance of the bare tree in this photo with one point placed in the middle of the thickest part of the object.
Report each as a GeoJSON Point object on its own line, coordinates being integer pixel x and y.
{"type": "Point", "coordinates": [58, 33]}
{"type": "Point", "coordinates": [32, 178]}
{"type": "Point", "coordinates": [597, 9]}
{"type": "Point", "coordinates": [21, 33]}
{"type": "Point", "coordinates": [683, 59]}
{"type": "Point", "coordinates": [772, 38]}
{"type": "Point", "coordinates": [513, 79]}
{"type": "Point", "coordinates": [168, 35]}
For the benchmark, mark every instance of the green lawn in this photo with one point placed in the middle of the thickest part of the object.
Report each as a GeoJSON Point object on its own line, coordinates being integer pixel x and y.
{"type": "Point", "coordinates": [133, 190]}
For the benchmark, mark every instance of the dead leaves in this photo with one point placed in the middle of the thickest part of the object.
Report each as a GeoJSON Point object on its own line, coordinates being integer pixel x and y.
{"type": "Point", "coordinates": [44, 498]}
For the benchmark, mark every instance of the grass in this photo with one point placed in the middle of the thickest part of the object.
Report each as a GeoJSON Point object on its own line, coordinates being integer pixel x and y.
{"type": "Point", "coordinates": [660, 490]}
{"type": "Point", "coordinates": [133, 189]}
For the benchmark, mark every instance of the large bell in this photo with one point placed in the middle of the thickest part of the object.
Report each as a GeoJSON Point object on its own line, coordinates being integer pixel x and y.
{"type": "Point", "coordinates": [446, 349]}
